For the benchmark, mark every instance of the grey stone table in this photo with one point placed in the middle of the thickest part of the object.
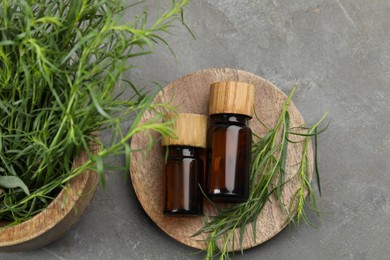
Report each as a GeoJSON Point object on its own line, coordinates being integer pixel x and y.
{"type": "Point", "coordinates": [338, 53]}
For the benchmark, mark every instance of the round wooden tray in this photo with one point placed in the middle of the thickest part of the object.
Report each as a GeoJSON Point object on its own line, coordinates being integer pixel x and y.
{"type": "Point", "coordinates": [190, 95]}
{"type": "Point", "coordinates": [54, 221]}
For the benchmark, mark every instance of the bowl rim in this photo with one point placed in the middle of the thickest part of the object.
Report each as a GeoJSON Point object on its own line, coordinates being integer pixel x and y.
{"type": "Point", "coordinates": [58, 217]}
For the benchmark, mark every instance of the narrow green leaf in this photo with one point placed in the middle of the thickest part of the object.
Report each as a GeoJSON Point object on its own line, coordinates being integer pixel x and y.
{"type": "Point", "coordinates": [11, 182]}
{"type": "Point", "coordinates": [316, 161]}
{"type": "Point", "coordinates": [97, 104]}
{"type": "Point", "coordinates": [6, 42]}
{"type": "Point", "coordinates": [127, 159]}
{"type": "Point", "coordinates": [100, 169]}
{"type": "Point", "coordinates": [48, 19]}
{"type": "Point", "coordinates": [4, 108]}
{"type": "Point", "coordinates": [283, 157]}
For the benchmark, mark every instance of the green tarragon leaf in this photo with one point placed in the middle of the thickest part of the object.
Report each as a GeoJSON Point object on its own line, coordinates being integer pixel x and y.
{"type": "Point", "coordinates": [10, 182]}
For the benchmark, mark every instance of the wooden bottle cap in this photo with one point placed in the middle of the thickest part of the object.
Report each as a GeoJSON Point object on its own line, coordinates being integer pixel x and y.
{"type": "Point", "coordinates": [190, 130]}
{"type": "Point", "coordinates": [231, 97]}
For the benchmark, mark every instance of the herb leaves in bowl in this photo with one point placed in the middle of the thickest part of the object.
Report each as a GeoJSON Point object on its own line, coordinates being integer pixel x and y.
{"type": "Point", "coordinates": [60, 62]}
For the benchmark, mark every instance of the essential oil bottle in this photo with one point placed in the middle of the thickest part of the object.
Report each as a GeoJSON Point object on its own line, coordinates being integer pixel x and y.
{"type": "Point", "coordinates": [184, 171]}
{"type": "Point", "coordinates": [229, 141]}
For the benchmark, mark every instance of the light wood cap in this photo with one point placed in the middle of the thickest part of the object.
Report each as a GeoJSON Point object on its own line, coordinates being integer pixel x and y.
{"type": "Point", "coordinates": [191, 94]}
{"type": "Point", "coordinates": [231, 97]}
{"type": "Point", "coordinates": [190, 130]}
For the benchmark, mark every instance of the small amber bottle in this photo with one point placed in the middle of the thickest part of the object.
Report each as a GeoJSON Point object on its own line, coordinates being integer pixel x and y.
{"type": "Point", "coordinates": [184, 173]}
{"type": "Point", "coordinates": [229, 141]}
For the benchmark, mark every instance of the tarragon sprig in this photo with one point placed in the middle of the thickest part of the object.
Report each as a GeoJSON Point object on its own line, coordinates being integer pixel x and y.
{"type": "Point", "coordinates": [267, 177]}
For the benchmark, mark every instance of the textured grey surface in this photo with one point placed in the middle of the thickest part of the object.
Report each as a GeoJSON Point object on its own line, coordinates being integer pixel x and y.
{"type": "Point", "coordinates": [338, 52]}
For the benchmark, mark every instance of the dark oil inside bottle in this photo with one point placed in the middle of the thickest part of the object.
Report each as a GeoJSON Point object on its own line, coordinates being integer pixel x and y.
{"type": "Point", "coordinates": [228, 158]}
{"type": "Point", "coordinates": [184, 173]}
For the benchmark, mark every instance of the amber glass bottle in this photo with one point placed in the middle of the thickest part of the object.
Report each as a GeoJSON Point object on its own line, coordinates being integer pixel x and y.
{"type": "Point", "coordinates": [229, 141]}
{"type": "Point", "coordinates": [184, 170]}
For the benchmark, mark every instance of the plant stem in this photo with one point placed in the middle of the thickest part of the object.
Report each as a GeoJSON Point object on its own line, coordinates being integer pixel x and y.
{"type": "Point", "coordinates": [61, 63]}
{"type": "Point", "coordinates": [269, 155]}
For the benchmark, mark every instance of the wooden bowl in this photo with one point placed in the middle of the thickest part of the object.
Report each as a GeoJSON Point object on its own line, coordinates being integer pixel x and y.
{"type": "Point", "coordinates": [61, 214]}
{"type": "Point", "coordinates": [190, 94]}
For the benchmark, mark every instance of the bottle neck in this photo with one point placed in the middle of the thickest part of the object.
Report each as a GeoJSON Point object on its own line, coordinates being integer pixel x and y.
{"type": "Point", "coordinates": [230, 118]}
{"type": "Point", "coordinates": [183, 151]}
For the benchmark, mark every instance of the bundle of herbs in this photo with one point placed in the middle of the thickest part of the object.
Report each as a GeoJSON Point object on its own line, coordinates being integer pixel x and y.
{"type": "Point", "coordinates": [267, 178]}
{"type": "Point", "coordinates": [60, 62]}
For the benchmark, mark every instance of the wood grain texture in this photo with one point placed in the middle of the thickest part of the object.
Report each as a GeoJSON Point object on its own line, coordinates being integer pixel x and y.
{"type": "Point", "coordinates": [231, 97]}
{"type": "Point", "coordinates": [191, 95]}
{"type": "Point", "coordinates": [190, 130]}
{"type": "Point", "coordinates": [61, 214]}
